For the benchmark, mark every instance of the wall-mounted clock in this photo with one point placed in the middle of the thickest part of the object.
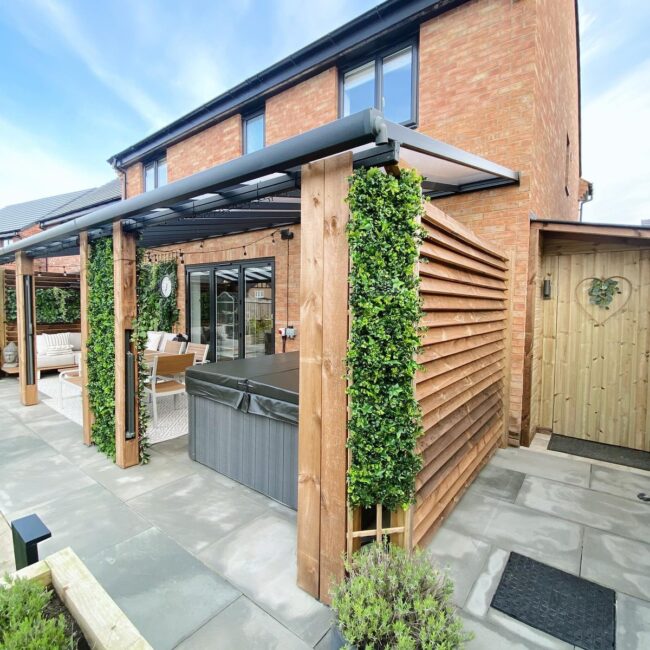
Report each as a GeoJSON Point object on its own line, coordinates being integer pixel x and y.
{"type": "Point", "coordinates": [166, 286]}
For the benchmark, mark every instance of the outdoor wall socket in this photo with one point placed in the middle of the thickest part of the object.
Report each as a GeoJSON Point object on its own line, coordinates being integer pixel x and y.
{"type": "Point", "coordinates": [290, 332]}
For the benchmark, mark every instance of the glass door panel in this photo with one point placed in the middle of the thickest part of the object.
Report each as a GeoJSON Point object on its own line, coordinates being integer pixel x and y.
{"type": "Point", "coordinates": [258, 310]}
{"type": "Point", "coordinates": [227, 313]}
{"type": "Point", "coordinates": [199, 307]}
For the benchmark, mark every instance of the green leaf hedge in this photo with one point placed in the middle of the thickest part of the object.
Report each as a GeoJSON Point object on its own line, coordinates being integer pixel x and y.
{"type": "Point", "coordinates": [156, 313]}
{"type": "Point", "coordinates": [385, 419]}
{"type": "Point", "coordinates": [53, 305]}
{"type": "Point", "coordinates": [101, 344]}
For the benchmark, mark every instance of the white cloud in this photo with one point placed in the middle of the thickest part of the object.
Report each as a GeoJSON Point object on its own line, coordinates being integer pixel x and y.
{"type": "Point", "coordinates": [616, 149]}
{"type": "Point", "coordinates": [30, 170]}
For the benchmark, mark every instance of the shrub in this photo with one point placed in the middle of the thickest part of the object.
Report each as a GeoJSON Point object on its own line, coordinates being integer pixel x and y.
{"type": "Point", "coordinates": [395, 600]}
{"type": "Point", "coordinates": [22, 623]}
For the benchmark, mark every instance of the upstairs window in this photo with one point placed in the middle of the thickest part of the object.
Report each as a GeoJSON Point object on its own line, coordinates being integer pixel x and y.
{"type": "Point", "coordinates": [388, 82]}
{"type": "Point", "coordinates": [155, 174]}
{"type": "Point", "coordinates": [253, 133]}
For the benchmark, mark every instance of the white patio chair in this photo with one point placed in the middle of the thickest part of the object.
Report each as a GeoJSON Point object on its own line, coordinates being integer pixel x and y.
{"type": "Point", "coordinates": [199, 350]}
{"type": "Point", "coordinates": [160, 385]}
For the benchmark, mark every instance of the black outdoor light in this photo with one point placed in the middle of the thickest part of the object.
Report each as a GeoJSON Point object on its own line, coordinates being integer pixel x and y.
{"type": "Point", "coordinates": [130, 388]}
{"type": "Point", "coordinates": [27, 532]}
{"type": "Point", "coordinates": [546, 289]}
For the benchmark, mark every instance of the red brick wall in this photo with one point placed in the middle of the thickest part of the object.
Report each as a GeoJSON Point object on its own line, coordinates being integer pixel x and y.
{"type": "Point", "coordinates": [307, 105]}
{"type": "Point", "coordinates": [556, 113]}
{"type": "Point", "coordinates": [210, 147]}
{"type": "Point", "coordinates": [134, 180]}
{"type": "Point", "coordinates": [258, 244]}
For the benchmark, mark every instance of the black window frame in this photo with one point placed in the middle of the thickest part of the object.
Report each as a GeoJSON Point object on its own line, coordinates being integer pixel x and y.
{"type": "Point", "coordinates": [378, 57]}
{"type": "Point", "coordinates": [212, 268]}
{"type": "Point", "coordinates": [244, 122]}
{"type": "Point", "coordinates": [155, 162]}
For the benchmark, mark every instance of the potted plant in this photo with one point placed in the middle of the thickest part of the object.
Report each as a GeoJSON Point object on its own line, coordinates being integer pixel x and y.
{"type": "Point", "coordinates": [393, 599]}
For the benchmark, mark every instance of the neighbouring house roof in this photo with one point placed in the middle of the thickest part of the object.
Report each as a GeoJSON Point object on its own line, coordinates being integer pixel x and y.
{"type": "Point", "coordinates": [383, 24]}
{"type": "Point", "coordinates": [17, 217]}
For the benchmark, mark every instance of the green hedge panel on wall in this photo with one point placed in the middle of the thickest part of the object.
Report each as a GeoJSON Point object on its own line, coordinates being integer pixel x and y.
{"type": "Point", "coordinates": [385, 419]}
{"type": "Point", "coordinates": [155, 312]}
{"type": "Point", "coordinates": [53, 305]}
{"type": "Point", "coordinates": [101, 345]}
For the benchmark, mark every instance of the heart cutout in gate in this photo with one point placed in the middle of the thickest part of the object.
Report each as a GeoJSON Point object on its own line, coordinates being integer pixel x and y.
{"type": "Point", "coordinates": [600, 315]}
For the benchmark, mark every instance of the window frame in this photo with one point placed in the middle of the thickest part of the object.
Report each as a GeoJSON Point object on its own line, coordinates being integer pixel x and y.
{"type": "Point", "coordinates": [212, 268]}
{"type": "Point", "coordinates": [244, 122]}
{"type": "Point", "coordinates": [155, 162]}
{"type": "Point", "coordinates": [378, 57]}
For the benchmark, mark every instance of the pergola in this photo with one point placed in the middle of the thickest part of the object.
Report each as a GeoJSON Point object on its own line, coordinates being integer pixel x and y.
{"type": "Point", "coordinates": [300, 180]}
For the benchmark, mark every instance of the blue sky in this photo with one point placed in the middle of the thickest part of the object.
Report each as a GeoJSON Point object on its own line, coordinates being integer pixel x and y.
{"type": "Point", "coordinates": [81, 80]}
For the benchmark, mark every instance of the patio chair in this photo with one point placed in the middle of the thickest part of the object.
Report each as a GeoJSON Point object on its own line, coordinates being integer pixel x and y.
{"type": "Point", "coordinates": [160, 385]}
{"type": "Point", "coordinates": [199, 350]}
{"type": "Point", "coordinates": [173, 347]}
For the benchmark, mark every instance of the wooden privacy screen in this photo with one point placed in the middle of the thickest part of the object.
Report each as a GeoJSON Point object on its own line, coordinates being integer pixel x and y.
{"type": "Point", "coordinates": [42, 280]}
{"type": "Point", "coordinates": [460, 386]}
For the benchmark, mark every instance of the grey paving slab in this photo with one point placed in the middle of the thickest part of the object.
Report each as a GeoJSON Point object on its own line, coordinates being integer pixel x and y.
{"type": "Point", "coordinates": [480, 597]}
{"type": "Point", "coordinates": [546, 465]}
{"type": "Point", "coordinates": [14, 450]}
{"type": "Point", "coordinates": [135, 481]}
{"type": "Point", "coordinates": [632, 623]}
{"type": "Point", "coordinates": [243, 625]}
{"type": "Point", "coordinates": [533, 637]}
{"type": "Point", "coordinates": [37, 416]}
{"type": "Point", "coordinates": [166, 592]}
{"type": "Point", "coordinates": [515, 528]}
{"type": "Point", "coordinates": [616, 562]}
{"type": "Point", "coordinates": [596, 509]}
{"type": "Point", "coordinates": [31, 483]}
{"type": "Point", "coordinates": [88, 520]}
{"type": "Point", "coordinates": [622, 483]}
{"type": "Point", "coordinates": [260, 559]}
{"type": "Point", "coordinates": [489, 635]}
{"type": "Point", "coordinates": [12, 428]}
{"type": "Point", "coordinates": [73, 448]}
{"type": "Point", "coordinates": [462, 556]}
{"type": "Point", "coordinates": [196, 511]}
{"type": "Point", "coordinates": [174, 448]}
{"type": "Point", "coordinates": [6, 553]}
{"type": "Point", "coordinates": [499, 482]}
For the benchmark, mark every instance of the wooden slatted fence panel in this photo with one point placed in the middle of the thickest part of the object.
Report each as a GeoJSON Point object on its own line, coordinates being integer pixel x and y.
{"type": "Point", "coordinates": [461, 384]}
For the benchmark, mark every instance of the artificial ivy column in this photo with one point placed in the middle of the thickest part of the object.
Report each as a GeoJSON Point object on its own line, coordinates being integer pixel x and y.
{"type": "Point", "coordinates": [127, 447]}
{"type": "Point", "coordinates": [26, 321]}
{"type": "Point", "coordinates": [84, 250]}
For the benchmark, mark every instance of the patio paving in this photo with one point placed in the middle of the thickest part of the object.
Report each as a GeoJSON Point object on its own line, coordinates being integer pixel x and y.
{"type": "Point", "coordinates": [194, 559]}
{"type": "Point", "coordinates": [199, 561]}
{"type": "Point", "coordinates": [571, 513]}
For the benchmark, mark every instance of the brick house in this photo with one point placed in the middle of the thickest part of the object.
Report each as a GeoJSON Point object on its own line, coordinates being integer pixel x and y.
{"type": "Point", "coordinates": [498, 78]}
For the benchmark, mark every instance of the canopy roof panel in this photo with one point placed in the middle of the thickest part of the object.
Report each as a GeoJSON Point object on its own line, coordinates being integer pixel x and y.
{"type": "Point", "coordinates": [261, 189]}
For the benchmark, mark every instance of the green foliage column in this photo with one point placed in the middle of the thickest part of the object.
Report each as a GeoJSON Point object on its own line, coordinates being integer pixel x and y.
{"type": "Point", "coordinates": [385, 419]}
{"type": "Point", "coordinates": [101, 345]}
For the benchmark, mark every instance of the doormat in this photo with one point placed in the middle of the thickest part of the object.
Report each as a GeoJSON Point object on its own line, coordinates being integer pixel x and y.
{"type": "Point", "coordinates": [600, 451]}
{"type": "Point", "coordinates": [573, 609]}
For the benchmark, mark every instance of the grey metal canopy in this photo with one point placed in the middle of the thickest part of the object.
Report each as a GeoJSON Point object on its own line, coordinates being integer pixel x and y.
{"type": "Point", "coordinates": [261, 189]}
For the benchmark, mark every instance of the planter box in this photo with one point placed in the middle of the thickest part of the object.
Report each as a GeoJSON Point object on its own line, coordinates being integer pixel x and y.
{"type": "Point", "coordinates": [103, 623]}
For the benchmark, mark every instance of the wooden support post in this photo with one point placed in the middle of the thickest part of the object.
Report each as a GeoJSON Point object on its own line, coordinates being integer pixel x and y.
{"type": "Point", "coordinates": [127, 452]}
{"type": "Point", "coordinates": [322, 455]}
{"type": "Point", "coordinates": [26, 330]}
{"type": "Point", "coordinates": [3, 315]}
{"type": "Point", "coordinates": [83, 290]}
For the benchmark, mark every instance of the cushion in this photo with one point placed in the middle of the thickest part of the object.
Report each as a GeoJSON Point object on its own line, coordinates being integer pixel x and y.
{"type": "Point", "coordinates": [55, 350]}
{"type": "Point", "coordinates": [57, 340]}
{"type": "Point", "coordinates": [44, 362]}
{"type": "Point", "coordinates": [153, 340]}
{"type": "Point", "coordinates": [75, 340]}
{"type": "Point", "coordinates": [41, 344]}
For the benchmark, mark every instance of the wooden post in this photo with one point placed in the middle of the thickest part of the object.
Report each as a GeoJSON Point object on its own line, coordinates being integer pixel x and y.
{"type": "Point", "coordinates": [322, 455]}
{"type": "Point", "coordinates": [83, 290]}
{"type": "Point", "coordinates": [127, 452]}
{"type": "Point", "coordinates": [3, 315]}
{"type": "Point", "coordinates": [27, 370]}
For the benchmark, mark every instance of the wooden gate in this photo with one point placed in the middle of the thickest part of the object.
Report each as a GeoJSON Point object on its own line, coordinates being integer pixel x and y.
{"type": "Point", "coordinates": [595, 357]}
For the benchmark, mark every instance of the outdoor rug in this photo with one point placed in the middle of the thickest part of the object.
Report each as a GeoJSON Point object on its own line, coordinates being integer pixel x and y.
{"type": "Point", "coordinates": [570, 608]}
{"type": "Point", "coordinates": [600, 451]}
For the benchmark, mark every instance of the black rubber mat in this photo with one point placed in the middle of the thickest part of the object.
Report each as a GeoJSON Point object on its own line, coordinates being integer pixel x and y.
{"type": "Point", "coordinates": [600, 451]}
{"type": "Point", "coordinates": [558, 603]}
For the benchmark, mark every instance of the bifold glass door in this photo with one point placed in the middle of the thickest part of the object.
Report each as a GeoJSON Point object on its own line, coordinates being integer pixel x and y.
{"type": "Point", "coordinates": [231, 307]}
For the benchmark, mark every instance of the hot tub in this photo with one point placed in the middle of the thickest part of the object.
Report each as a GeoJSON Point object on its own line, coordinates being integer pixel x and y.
{"type": "Point", "coordinates": [243, 422]}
